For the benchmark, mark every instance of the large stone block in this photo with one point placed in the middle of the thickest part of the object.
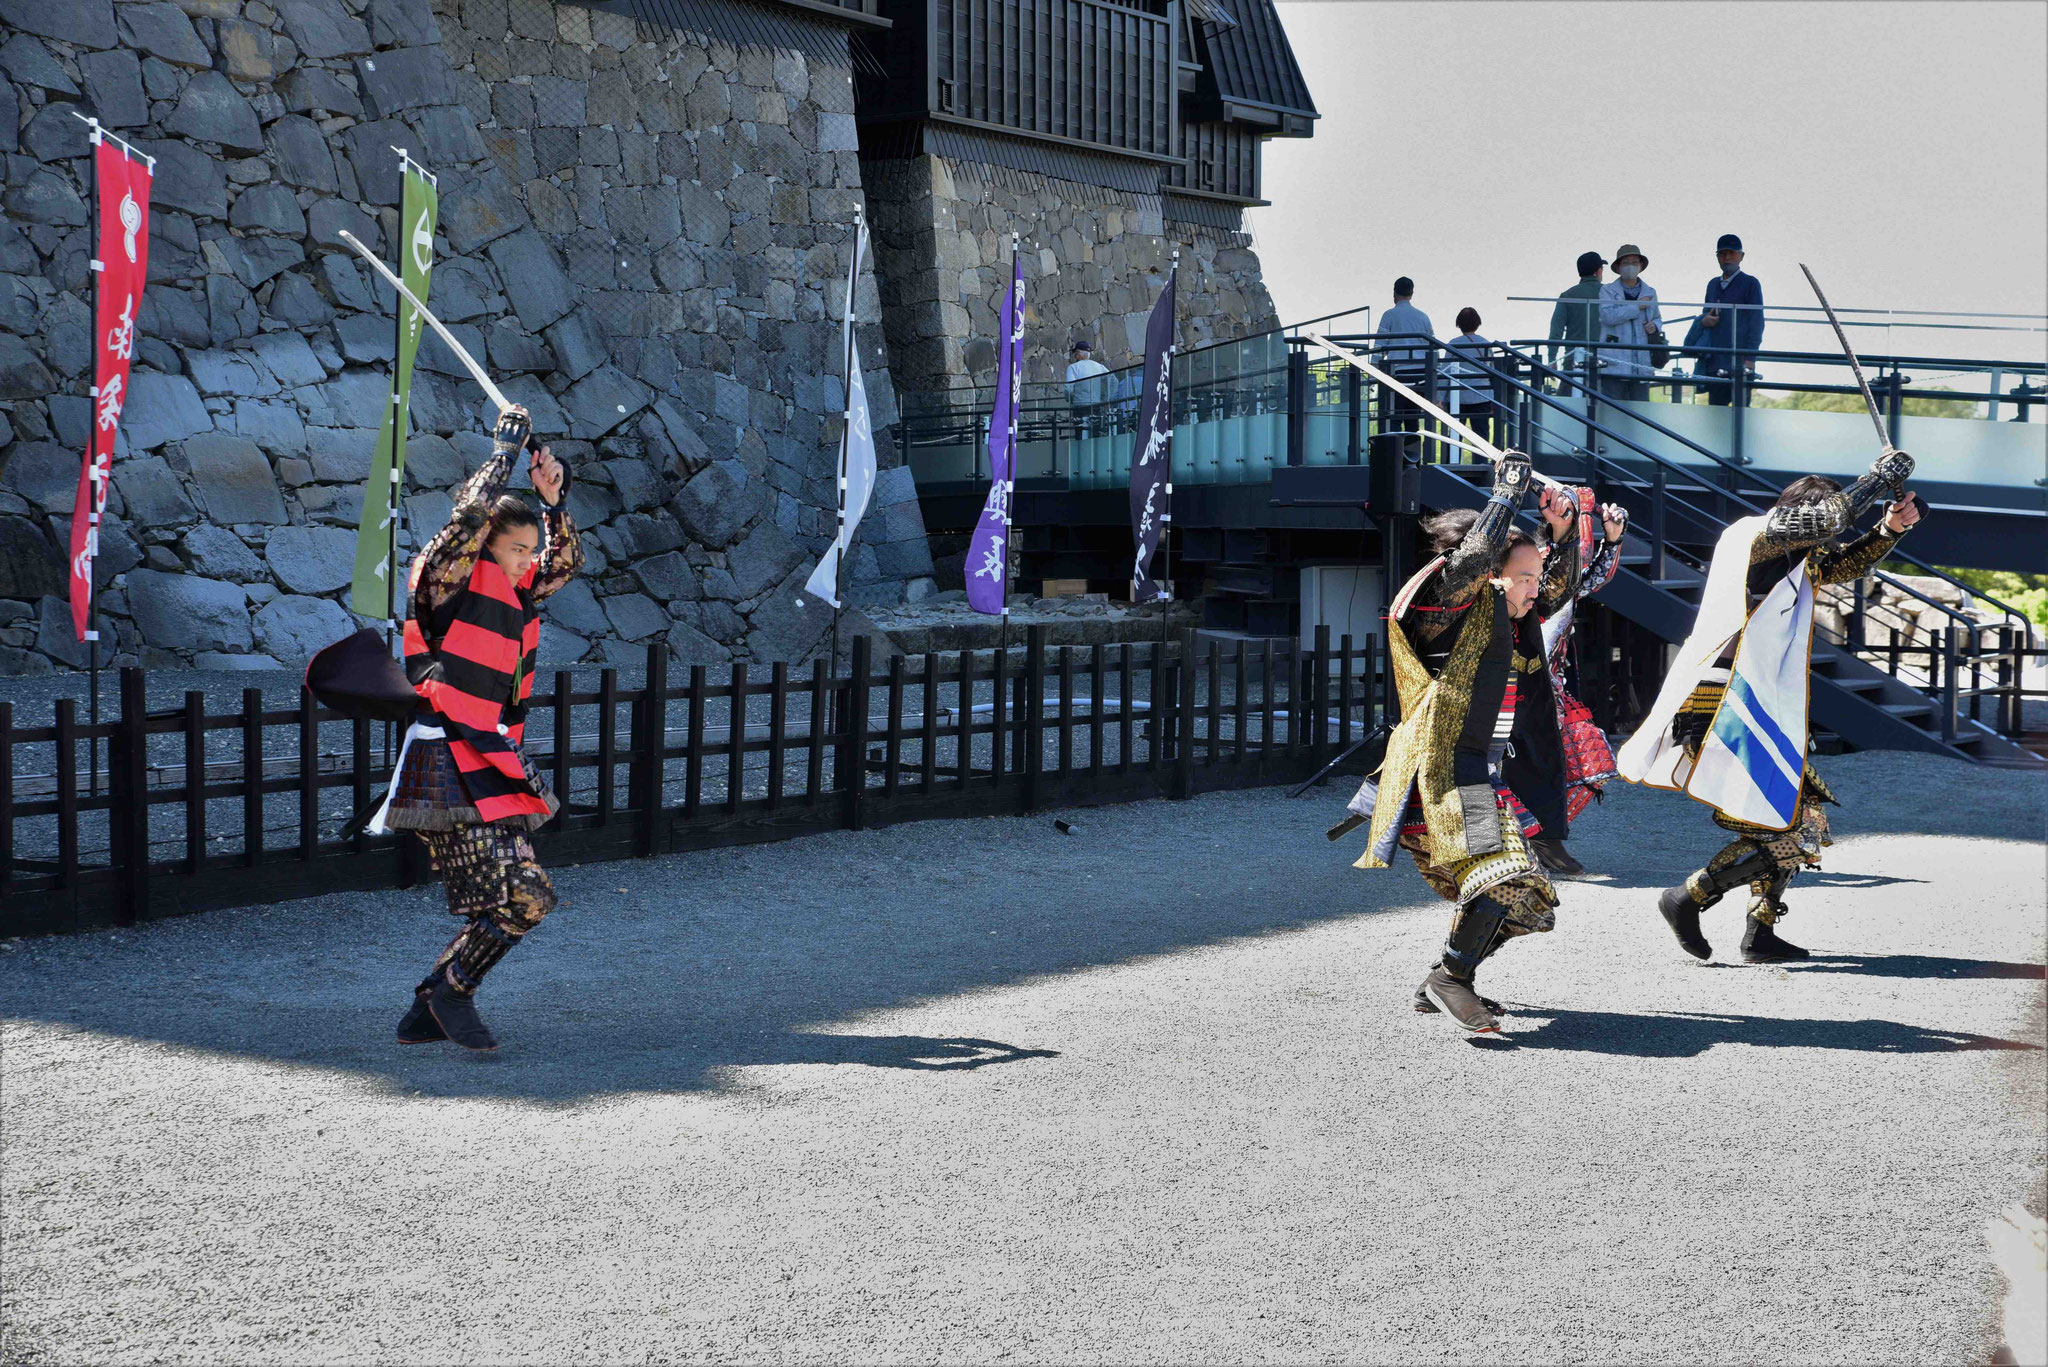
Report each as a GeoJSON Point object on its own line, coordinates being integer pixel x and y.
{"type": "Point", "coordinates": [603, 400]}
{"type": "Point", "coordinates": [689, 646]}
{"type": "Point", "coordinates": [29, 63]}
{"type": "Point", "coordinates": [330, 216]}
{"type": "Point", "coordinates": [161, 408]}
{"type": "Point", "coordinates": [44, 473]}
{"type": "Point", "coordinates": [312, 559]}
{"type": "Point", "coordinates": [408, 78]}
{"type": "Point", "coordinates": [187, 612]}
{"type": "Point", "coordinates": [217, 553]}
{"type": "Point", "coordinates": [89, 23]}
{"type": "Point", "coordinates": [153, 494]}
{"type": "Point", "coordinates": [668, 578]}
{"type": "Point", "coordinates": [635, 617]}
{"type": "Point", "coordinates": [718, 503]}
{"type": "Point", "coordinates": [483, 211]}
{"type": "Point", "coordinates": [31, 564]}
{"type": "Point", "coordinates": [275, 426]}
{"type": "Point", "coordinates": [789, 624]}
{"type": "Point", "coordinates": [294, 627]}
{"type": "Point", "coordinates": [574, 607]}
{"type": "Point", "coordinates": [188, 179]}
{"type": "Point", "coordinates": [302, 157]}
{"type": "Point", "coordinates": [162, 30]}
{"type": "Point", "coordinates": [402, 23]}
{"type": "Point", "coordinates": [113, 81]}
{"type": "Point", "coordinates": [234, 480]}
{"type": "Point", "coordinates": [290, 358]}
{"type": "Point", "coordinates": [56, 633]}
{"type": "Point", "coordinates": [760, 560]}
{"type": "Point", "coordinates": [273, 207]}
{"type": "Point", "coordinates": [309, 89]}
{"type": "Point", "coordinates": [323, 29]}
{"type": "Point", "coordinates": [535, 283]}
{"type": "Point", "coordinates": [22, 372]}
{"type": "Point", "coordinates": [212, 110]}
{"type": "Point", "coordinates": [45, 198]}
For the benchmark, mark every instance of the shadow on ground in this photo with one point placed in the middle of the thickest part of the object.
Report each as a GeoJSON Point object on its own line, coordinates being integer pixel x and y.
{"type": "Point", "coordinates": [1683, 1035]}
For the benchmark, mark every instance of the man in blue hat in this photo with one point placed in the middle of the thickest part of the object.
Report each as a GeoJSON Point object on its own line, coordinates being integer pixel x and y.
{"type": "Point", "coordinates": [1732, 327]}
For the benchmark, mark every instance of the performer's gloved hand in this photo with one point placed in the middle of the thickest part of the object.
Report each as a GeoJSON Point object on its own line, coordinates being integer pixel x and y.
{"type": "Point", "coordinates": [1613, 520]}
{"type": "Point", "coordinates": [550, 476]}
{"type": "Point", "coordinates": [1512, 476]}
{"type": "Point", "coordinates": [514, 427]}
{"type": "Point", "coordinates": [1892, 469]}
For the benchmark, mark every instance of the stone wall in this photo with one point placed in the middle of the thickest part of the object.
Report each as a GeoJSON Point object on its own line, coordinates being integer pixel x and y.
{"type": "Point", "coordinates": [1095, 259]}
{"type": "Point", "coordinates": [643, 233]}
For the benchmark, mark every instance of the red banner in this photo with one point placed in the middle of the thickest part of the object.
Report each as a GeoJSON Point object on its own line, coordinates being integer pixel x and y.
{"type": "Point", "coordinates": [123, 266]}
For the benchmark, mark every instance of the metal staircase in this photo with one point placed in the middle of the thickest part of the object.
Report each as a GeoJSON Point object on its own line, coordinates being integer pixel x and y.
{"type": "Point", "coordinates": [1866, 692]}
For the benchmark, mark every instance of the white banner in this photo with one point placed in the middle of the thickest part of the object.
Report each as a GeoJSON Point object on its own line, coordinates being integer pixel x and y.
{"type": "Point", "coordinates": [856, 449]}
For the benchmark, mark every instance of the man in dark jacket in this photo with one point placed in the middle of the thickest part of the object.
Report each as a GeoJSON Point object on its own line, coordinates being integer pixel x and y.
{"type": "Point", "coordinates": [1732, 327]}
{"type": "Point", "coordinates": [1577, 313]}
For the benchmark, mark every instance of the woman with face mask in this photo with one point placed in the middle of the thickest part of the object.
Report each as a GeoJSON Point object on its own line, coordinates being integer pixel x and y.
{"type": "Point", "coordinates": [1628, 320]}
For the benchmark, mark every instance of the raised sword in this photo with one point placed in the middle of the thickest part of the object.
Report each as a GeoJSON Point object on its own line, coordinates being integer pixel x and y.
{"type": "Point", "coordinates": [491, 391]}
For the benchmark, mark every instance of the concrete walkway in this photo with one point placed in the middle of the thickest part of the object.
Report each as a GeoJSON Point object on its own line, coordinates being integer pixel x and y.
{"type": "Point", "coordinates": [976, 1091]}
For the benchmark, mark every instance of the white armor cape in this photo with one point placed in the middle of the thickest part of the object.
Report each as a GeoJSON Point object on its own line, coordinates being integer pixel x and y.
{"type": "Point", "coordinates": [1750, 764]}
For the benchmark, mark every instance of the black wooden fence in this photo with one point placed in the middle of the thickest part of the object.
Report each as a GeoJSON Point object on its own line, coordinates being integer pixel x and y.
{"type": "Point", "coordinates": [192, 811]}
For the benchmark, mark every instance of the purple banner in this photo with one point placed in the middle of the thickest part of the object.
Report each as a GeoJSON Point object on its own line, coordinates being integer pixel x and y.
{"type": "Point", "coordinates": [988, 554]}
{"type": "Point", "coordinates": [1152, 452]}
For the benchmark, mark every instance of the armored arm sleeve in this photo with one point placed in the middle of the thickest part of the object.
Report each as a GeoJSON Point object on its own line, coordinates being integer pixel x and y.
{"type": "Point", "coordinates": [445, 564]}
{"type": "Point", "coordinates": [1802, 526]}
{"type": "Point", "coordinates": [1560, 571]}
{"type": "Point", "coordinates": [1478, 555]}
{"type": "Point", "coordinates": [1846, 564]}
{"type": "Point", "coordinates": [1600, 569]}
{"type": "Point", "coordinates": [561, 552]}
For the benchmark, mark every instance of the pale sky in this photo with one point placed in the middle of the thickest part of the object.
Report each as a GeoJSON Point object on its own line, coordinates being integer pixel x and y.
{"type": "Point", "coordinates": [1901, 150]}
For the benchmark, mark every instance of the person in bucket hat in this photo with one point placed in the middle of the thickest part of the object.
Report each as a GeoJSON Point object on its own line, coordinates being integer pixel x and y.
{"type": "Point", "coordinates": [1629, 322]}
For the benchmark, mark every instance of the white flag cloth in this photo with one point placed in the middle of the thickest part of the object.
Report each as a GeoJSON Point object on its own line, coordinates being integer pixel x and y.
{"type": "Point", "coordinates": [1750, 764]}
{"type": "Point", "coordinates": [856, 448]}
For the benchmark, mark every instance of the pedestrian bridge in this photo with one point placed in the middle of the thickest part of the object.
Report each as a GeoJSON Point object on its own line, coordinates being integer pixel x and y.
{"type": "Point", "coordinates": [1292, 485]}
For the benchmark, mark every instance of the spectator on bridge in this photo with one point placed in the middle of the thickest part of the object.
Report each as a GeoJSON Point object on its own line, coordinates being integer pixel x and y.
{"type": "Point", "coordinates": [1406, 361]}
{"type": "Point", "coordinates": [1629, 320]}
{"type": "Point", "coordinates": [1468, 377]}
{"type": "Point", "coordinates": [1086, 390]}
{"type": "Point", "coordinates": [1577, 312]}
{"type": "Point", "coordinates": [1732, 328]}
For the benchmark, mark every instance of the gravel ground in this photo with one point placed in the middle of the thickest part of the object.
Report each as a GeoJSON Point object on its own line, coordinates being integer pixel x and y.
{"type": "Point", "coordinates": [977, 1090]}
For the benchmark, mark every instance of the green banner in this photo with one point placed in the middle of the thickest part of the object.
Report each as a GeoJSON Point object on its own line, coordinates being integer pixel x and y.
{"type": "Point", "coordinates": [377, 528]}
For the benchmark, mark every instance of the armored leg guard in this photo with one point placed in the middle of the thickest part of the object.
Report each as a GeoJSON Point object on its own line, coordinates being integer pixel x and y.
{"type": "Point", "coordinates": [1761, 943]}
{"type": "Point", "coordinates": [1738, 863]}
{"type": "Point", "coordinates": [1475, 932]}
{"type": "Point", "coordinates": [448, 993]}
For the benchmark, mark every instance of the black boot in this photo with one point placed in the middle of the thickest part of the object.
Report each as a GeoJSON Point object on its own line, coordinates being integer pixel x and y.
{"type": "Point", "coordinates": [1682, 914]}
{"type": "Point", "coordinates": [1475, 930]}
{"type": "Point", "coordinates": [419, 1025]}
{"type": "Point", "coordinates": [455, 1013]}
{"type": "Point", "coordinates": [1425, 1007]}
{"type": "Point", "coordinates": [1761, 945]}
{"type": "Point", "coordinates": [1555, 858]}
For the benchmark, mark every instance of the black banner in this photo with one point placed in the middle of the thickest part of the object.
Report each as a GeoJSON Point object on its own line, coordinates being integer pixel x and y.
{"type": "Point", "coordinates": [1152, 452]}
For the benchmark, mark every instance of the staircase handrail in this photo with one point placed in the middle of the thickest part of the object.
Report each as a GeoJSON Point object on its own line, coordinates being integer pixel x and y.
{"type": "Point", "coordinates": [1536, 366]}
{"type": "Point", "coordinates": [1873, 361]}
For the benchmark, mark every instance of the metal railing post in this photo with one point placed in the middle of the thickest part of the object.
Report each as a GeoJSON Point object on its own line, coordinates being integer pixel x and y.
{"type": "Point", "coordinates": [1948, 683]}
{"type": "Point", "coordinates": [1658, 480]}
{"type": "Point", "coordinates": [1354, 448]}
{"type": "Point", "coordinates": [1297, 404]}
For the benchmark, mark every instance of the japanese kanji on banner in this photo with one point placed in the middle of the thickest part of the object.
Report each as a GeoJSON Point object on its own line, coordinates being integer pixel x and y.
{"type": "Point", "coordinates": [988, 567]}
{"type": "Point", "coordinates": [122, 264]}
{"type": "Point", "coordinates": [377, 529]}
{"type": "Point", "coordinates": [1152, 451]}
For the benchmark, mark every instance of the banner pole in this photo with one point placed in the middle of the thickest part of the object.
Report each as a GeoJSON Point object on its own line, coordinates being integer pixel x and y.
{"type": "Point", "coordinates": [846, 442]}
{"type": "Point", "coordinates": [92, 439]}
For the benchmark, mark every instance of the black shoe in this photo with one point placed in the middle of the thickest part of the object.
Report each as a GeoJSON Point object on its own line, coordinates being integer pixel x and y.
{"type": "Point", "coordinates": [1555, 858]}
{"type": "Point", "coordinates": [457, 1015]}
{"type": "Point", "coordinates": [1761, 945]}
{"type": "Point", "coordinates": [419, 1025]}
{"type": "Point", "coordinates": [1682, 914]}
{"type": "Point", "coordinates": [1425, 1007]}
{"type": "Point", "coordinates": [1456, 999]}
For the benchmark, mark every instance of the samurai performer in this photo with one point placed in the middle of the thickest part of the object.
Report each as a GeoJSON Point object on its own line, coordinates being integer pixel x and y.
{"type": "Point", "coordinates": [1471, 770]}
{"type": "Point", "coordinates": [462, 784]}
{"type": "Point", "coordinates": [1730, 723]}
{"type": "Point", "coordinates": [1588, 760]}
